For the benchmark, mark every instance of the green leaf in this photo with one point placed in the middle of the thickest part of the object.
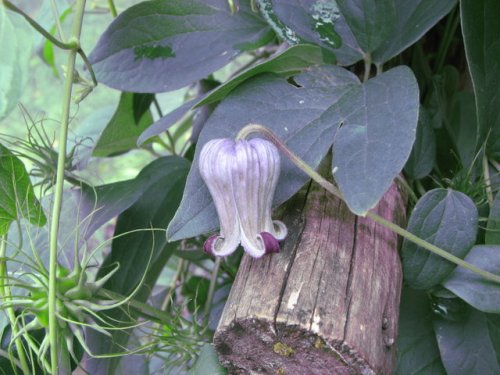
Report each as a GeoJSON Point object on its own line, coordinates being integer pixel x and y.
{"type": "Point", "coordinates": [208, 363]}
{"type": "Point", "coordinates": [418, 353]}
{"type": "Point", "coordinates": [494, 331]}
{"type": "Point", "coordinates": [100, 204]}
{"type": "Point", "coordinates": [463, 126]}
{"type": "Point", "coordinates": [385, 27]}
{"type": "Point", "coordinates": [16, 39]}
{"type": "Point", "coordinates": [423, 153]}
{"type": "Point", "coordinates": [291, 61]}
{"type": "Point", "coordinates": [480, 29]}
{"type": "Point", "coordinates": [447, 219]}
{"type": "Point", "coordinates": [195, 290]}
{"type": "Point", "coordinates": [154, 209]}
{"type": "Point", "coordinates": [306, 114]}
{"type": "Point", "coordinates": [158, 46]}
{"type": "Point", "coordinates": [17, 195]}
{"type": "Point", "coordinates": [377, 129]}
{"type": "Point", "coordinates": [131, 118]}
{"type": "Point", "coordinates": [292, 112]}
{"type": "Point", "coordinates": [370, 21]}
{"type": "Point", "coordinates": [483, 294]}
{"type": "Point", "coordinates": [287, 63]}
{"type": "Point", "coordinates": [466, 347]}
{"type": "Point", "coordinates": [492, 235]}
{"type": "Point", "coordinates": [412, 20]}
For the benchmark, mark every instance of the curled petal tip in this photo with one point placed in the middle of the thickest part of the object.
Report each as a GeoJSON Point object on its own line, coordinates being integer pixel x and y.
{"type": "Point", "coordinates": [271, 244]}
{"type": "Point", "coordinates": [209, 245]}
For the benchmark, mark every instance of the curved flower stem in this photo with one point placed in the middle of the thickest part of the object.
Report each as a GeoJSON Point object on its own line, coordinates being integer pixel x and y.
{"type": "Point", "coordinates": [6, 296]}
{"type": "Point", "coordinates": [56, 209]}
{"type": "Point", "coordinates": [255, 128]}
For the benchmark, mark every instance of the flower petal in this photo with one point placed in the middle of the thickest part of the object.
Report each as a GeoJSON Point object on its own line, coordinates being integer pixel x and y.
{"type": "Point", "coordinates": [216, 168]}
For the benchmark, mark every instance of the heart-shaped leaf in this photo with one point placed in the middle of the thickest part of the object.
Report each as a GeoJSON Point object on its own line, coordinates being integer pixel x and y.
{"type": "Point", "coordinates": [447, 219]}
{"type": "Point", "coordinates": [379, 121]}
{"type": "Point", "coordinates": [483, 294]}
{"type": "Point", "coordinates": [158, 46]}
{"type": "Point", "coordinates": [305, 119]}
{"type": "Point", "coordinates": [293, 113]}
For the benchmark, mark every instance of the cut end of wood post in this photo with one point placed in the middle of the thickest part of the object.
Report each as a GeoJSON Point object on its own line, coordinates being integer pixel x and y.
{"type": "Point", "coordinates": [254, 346]}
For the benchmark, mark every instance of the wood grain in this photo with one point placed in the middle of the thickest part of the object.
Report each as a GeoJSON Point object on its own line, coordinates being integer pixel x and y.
{"type": "Point", "coordinates": [328, 303]}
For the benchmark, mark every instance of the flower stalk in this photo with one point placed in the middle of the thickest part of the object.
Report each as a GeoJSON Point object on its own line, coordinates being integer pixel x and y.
{"type": "Point", "coordinates": [246, 131]}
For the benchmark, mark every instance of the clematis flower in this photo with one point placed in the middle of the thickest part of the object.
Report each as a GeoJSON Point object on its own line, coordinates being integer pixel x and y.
{"type": "Point", "coordinates": [241, 177]}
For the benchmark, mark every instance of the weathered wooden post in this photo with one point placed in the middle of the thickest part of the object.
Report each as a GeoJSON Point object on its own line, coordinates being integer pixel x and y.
{"type": "Point", "coordinates": [327, 304]}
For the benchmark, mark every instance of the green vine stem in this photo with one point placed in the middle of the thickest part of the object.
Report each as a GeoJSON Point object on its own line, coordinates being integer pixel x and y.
{"type": "Point", "coordinates": [6, 296]}
{"type": "Point", "coordinates": [61, 161]}
{"type": "Point", "coordinates": [256, 128]}
{"type": "Point", "coordinates": [112, 8]}
{"type": "Point", "coordinates": [72, 45]}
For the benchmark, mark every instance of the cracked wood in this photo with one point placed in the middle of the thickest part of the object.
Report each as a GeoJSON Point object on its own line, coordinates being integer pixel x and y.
{"type": "Point", "coordinates": [327, 304]}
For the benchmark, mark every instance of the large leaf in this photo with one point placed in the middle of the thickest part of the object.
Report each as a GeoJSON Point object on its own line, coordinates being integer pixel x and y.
{"type": "Point", "coordinates": [100, 204]}
{"type": "Point", "coordinates": [291, 112]}
{"type": "Point", "coordinates": [154, 209]}
{"type": "Point", "coordinates": [492, 235]}
{"type": "Point", "coordinates": [17, 195]}
{"type": "Point", "coordinates": [447, 219]}
{"type": "Point", "coordinates": [16, 39]}
{"type": "Point", "coordinates": [130, 119]}
{"type": "Point", "coordinates": [483, 294]}
{"type": "Point", "coordinates": [423, 153]}
{"type": "Point", "coordinates": [140, 254]}
{"type": "Point", "coordinates": [371, 21]}
{"type": "Point", "coordinates": [305, 119]}
{"type": "Point", "coordinates": [466, 346]}
{"type": "Point", "coordinates": [287, 63]}
{"type": "Point", "coordinates": [481, 28]}
{"type": "Point", "coordinates": [158, 45]}
{"type": "Point", "coordinates": [378, 124]}
{"type": "Point", "coordinates": [383, 28]}
{"type": "Point", "coordinates": [418, 353]}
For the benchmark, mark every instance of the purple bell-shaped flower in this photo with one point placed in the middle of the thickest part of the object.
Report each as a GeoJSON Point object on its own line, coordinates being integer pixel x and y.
{"type": "Point", "coordinates": [241, 177]}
